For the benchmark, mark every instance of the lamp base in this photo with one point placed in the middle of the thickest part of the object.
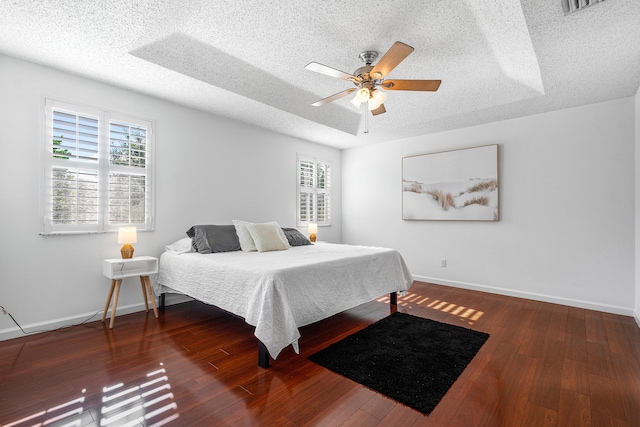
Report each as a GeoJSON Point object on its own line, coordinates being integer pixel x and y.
{"type": "Point", "coordinates": [126, 251]}
{"type": "Point", "coordinates": [312, 237]}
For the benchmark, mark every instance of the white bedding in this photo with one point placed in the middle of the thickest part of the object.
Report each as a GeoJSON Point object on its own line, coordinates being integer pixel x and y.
{"type": "Point", "coordinates": [280, 291]}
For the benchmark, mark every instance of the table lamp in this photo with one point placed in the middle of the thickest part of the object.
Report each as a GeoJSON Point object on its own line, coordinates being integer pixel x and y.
{"type": "Point", "coordinates": [313, 229]}
{"type": "Point", "coordinates": [127, 235]}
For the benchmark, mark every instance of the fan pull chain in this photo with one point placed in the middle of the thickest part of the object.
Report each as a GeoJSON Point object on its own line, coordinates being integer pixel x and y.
{"type": "Point", "coordinates": [366, 120]}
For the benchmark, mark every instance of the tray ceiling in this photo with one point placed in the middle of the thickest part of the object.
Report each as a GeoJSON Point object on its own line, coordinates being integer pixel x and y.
{"type": "Point", "coordinates": [497, 59]}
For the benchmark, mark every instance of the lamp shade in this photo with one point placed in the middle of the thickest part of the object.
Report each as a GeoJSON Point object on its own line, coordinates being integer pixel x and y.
{"type": "Point", "coordinates": [127, 234]}
{"type": "Point", "coordinates": [313, 228]}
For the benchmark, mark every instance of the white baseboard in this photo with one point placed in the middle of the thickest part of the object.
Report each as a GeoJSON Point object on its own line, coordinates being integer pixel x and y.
{"type": "Point", "coordinates": [63, 322]}
{"type": "Point", "coordinates": [50, 325]}
{"type": "Point", "coordinates": [625, 311]}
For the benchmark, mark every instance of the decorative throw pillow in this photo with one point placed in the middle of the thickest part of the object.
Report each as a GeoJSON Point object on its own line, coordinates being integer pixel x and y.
{"type": "Point", "coordinates": [214, 238]}
{"type": "Point", "coordinates": [268, 237]}
{"type": "Point", "coordinates": [246, 241]}
{"type": "Point", "coordinates": [295, 237]}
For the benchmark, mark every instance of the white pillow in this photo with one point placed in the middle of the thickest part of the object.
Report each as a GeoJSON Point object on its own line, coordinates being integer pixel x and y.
{"type": "Point", "coordinates": [268, 237]}
{"type": "Point", "coordinates": [246, 241]}
{"type": "Point", "coordinates": [181, 246]}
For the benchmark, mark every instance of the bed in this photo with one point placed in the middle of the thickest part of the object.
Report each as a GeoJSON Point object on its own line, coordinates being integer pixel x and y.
{"type": "Point", "coordinates": [278, 292]}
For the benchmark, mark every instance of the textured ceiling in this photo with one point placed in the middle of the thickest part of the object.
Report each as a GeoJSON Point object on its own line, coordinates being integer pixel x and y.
{"type": "Point", "coordinates": [497, 59]}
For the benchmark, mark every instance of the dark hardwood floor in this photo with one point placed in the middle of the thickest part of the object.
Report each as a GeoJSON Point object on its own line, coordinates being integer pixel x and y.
{"type": "Point", "coordinates": [543, 365]}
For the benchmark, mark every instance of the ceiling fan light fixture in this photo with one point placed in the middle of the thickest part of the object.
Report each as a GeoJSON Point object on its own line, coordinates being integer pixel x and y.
{"type": "Point", "coordinates": [379, 96]}
{"type": "Point", "coordinates": [369, 80]}
{"type": "Point", "coordinates": [362, 94]}
{"type": "Point", "coordinates": [373, 104]}
{"type": "Point", "coordinates": [355, 101]}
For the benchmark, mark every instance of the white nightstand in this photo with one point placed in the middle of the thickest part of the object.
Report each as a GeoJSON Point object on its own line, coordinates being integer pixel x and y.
{"type": "Point", "coordinates": [117, 269]}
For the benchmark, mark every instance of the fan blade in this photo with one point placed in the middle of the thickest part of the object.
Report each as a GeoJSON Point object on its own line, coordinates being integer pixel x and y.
{"type": "Point", "coordinates": [332, 72]}
{"type": "Point", "coordinates": [332, 98]}
{"type": "Point", "coordinates": [379, 110]}
{"type": "Point", "coordinates": [392, 58]}
{"type": "Point", "coordinates": [422, 85]}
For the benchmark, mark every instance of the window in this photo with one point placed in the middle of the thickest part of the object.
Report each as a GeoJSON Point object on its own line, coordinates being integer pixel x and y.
{"type": "Point", "coordinates": [314, 191]}
{"type": "Point", "coordinates": [97, 170]}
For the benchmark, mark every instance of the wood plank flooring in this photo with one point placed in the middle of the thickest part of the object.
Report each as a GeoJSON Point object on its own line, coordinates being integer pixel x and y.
{"type": "Point", "coordinates": [543, 365]}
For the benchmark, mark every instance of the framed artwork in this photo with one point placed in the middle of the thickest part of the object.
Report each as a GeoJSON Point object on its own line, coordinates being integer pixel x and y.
{"type": "Point", "coordinates": [458, 185]}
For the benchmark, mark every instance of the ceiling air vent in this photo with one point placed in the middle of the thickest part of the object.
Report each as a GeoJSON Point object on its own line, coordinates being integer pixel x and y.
{"type": "Point", "coordinates": [571, 6]}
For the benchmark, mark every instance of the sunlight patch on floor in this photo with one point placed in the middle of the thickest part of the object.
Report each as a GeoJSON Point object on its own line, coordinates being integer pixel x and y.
{"type": "Point", "coordinates": [139, 402]}
{"type": "Point", "coordinates": [466, 314]}
{"type": "Point", "coordinates": [146, 401]}
{"type": "Point", "coordinates": [67, 412]}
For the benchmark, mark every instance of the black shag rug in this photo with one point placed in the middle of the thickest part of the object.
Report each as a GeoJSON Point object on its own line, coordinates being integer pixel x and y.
{"type": "Point", "coordinates": [410, 359]}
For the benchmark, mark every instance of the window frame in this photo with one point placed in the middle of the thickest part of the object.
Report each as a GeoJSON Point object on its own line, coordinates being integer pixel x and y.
{"type": "Point", "coordinates": [313, 191]}
{"type": "Point", "coordinates": [102, 166]}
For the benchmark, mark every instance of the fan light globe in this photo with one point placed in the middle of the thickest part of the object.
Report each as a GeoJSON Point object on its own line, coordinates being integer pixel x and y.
{"type": "Point", "coordinates": [379, 96]}
{"type": "Point", "coordinates": [355, 101]}
{"type": "Point", "coordinates": [363, 94]}
{"type": "Point", "coordinates": [373, 104]}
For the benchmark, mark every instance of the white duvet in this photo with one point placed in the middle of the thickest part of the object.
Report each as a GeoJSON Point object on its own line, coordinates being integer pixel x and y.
{"type": "Point", "coordinates": [278, 292]}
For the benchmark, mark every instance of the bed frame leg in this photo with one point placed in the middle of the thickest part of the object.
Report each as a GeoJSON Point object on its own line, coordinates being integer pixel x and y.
{"type": "Point", "coordinates": [393, 306]}
{"type": "Point", "coordinates": [263, 355]}
{"type": "Point", "coordinates": [161, 301]}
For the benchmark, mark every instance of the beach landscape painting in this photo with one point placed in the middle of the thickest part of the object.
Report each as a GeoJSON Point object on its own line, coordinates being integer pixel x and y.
{"type": "Point", "coordinates": [459, 185]}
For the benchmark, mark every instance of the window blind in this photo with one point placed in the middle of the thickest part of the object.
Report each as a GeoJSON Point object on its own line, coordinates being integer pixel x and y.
{"type": "Point", "coordinates": [97, 170]}
{"type": "Point", "coordinates": [314, 191]}
{"type": "Point", "coordinates": [127, 177]}
{"type": "Point", "coordinates": [74, 168]}
{"type": "Point", "coordinates": [571, 6]}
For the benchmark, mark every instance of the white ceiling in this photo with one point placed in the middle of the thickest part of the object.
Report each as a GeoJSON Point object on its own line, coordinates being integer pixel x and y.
{"type": "Point", "coordinates": [497, 59]}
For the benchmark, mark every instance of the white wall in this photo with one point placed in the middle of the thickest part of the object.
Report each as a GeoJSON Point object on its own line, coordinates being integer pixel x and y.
{"type": "Point", "coordinates": [637, 207]}
{"type": "Point", "coordinates": [209, 171]}
{"type": "Point", "coordinates": [566, 232]}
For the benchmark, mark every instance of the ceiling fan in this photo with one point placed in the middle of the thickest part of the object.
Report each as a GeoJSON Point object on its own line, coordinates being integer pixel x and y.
{"type": "Point", "coordinates": [370, 79]}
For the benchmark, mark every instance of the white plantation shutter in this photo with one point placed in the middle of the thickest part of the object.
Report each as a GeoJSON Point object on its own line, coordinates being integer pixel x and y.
{"type": "Point", "coordinates": [323, 191]}
{"type": "Point", "coordinates": [314, 191]}
{"type": "Point", "coordinates": [72, 150]}
{"type": "Point", "coordinates": [97, 170]}
{"type": "Point", "coordinates": [74, 196]}
{"type": "Point", "coordinates": [306, 205]}
{"type": "Point", "coordinates": [127, 173]}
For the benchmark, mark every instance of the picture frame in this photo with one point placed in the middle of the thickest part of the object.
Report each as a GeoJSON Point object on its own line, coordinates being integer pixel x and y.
{"type": "Point", "coordinates": [456, 185]}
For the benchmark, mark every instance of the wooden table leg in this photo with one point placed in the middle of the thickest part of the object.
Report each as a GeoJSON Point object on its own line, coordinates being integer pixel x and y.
{"type": "Point", "coordinates": [115, 303]}
{"type": "Point", "coordinates": [106, 307]}
{"type": "Point", "coordinates": [144, 292]}
{"type": "Point", "coordinates": [151, 296]}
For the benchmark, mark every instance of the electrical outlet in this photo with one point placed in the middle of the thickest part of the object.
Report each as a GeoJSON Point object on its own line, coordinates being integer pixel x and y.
{"type": "Point", "coordinates": [443, 263]}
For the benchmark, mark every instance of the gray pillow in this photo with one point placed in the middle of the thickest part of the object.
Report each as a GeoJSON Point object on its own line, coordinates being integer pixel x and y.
{"type": "Point", "coordinates": [214, 238]}
{"type": "Point", "coordinates": [295, 237]}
